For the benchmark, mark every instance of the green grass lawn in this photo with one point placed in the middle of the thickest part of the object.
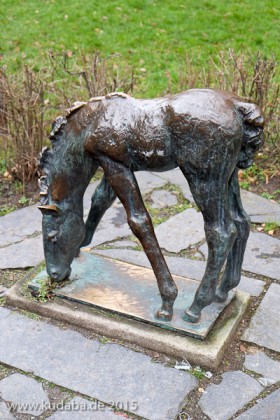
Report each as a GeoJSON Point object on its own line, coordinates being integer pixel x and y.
{"type": "Point", "coordinates": [152, 35]}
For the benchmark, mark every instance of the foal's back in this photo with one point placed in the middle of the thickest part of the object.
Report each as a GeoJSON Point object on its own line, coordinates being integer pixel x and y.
{"type": "Point", "coordinates": [160, 134]}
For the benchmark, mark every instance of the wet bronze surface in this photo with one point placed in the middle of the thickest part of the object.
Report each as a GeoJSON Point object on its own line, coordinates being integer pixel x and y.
{"type": "Point", "coordinates": [59, 188]}
{"type": "Point", "coordinates": [131, 291]}
{"type": "Point", "coordinates": [207, 133]}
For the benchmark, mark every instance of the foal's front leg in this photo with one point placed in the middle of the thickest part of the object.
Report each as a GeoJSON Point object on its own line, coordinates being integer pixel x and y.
{"type": "Point", "coordinates": [102, 198]}
{"type": "Point", "coordinates": [126, 188]}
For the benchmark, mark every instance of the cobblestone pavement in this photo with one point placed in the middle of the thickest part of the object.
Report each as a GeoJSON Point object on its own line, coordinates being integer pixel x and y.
{"type": "Point", "coordinates": [49, 371]}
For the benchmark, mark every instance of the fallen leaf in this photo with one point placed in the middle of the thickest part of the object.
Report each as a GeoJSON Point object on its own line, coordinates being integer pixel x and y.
{"type": "Point", "coordinates": [183, 365]}
{"type": "Point", "coordinates": [242, 348]}
{"type": "Point", "coordinates": [266, 381]}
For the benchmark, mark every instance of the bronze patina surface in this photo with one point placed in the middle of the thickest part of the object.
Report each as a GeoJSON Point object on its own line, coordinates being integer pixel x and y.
{"type": "Point", "coordinates": [131, 291]}
{"type": "Point", "coordinates": [208, 134]}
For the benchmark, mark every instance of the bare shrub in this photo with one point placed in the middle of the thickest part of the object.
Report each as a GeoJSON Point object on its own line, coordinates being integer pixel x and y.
{"type": "Point", "coordinates": [29, 101]}
{"type": "Point", "coordinates": [22, 128]}
{"type": "Point", "coordinates": [91, 75]}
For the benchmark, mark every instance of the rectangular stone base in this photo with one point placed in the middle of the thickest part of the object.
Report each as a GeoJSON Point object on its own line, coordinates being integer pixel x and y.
{"type": "Point", "coordinates": [131, 291]}
{"type": "Point", "coordinates": [207, 353]}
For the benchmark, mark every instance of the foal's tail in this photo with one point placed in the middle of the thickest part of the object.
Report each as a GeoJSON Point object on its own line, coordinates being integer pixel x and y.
{"type": "Point", "coordinates": [253, 136]}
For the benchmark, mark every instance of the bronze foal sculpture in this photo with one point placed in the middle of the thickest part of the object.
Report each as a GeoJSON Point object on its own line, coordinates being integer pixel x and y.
{"type": "Point", "coordinates": [207, 133]}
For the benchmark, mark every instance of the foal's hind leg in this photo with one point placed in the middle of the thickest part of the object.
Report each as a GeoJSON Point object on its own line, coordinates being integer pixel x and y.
{"type": "Point", "coordinates": [232, 273]}
{"type": "Point", "coordinates": [102, 198]}
{"type": "Point", "coordinates": [125, 186]}
{"type": "Point", "coordinates": [211, 196]}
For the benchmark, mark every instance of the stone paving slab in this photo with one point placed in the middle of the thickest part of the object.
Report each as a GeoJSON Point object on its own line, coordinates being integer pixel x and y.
{"type": "Point", "coordinates": [162, 198]}
{"type": "Point", "coordinates": [251, 286]}
{"type": "Point", "coordinates": [80, 408]}
{"type": "Point", "coordinates": [181, 231]}
{"type": "Point", "coordinates": [206, 353]}
{"type": "Point", "coordinates": [4, 312]}
{"type": "Point", "coordinates": [113, 225]}
{"type": "Point", "coordinates": [124, 243]}
{"type": "Point", "coordinates": [20, 224]}
{"type": "Point", "coordinates": [264, 326]}
{"type": "Point", "coordinates": [22, 390]}
{"type": "Point", "coordinates": [148, 181]}
{"type": "Point", "coordinates": [262, 255]}
{"type": "Point", "coordinates": [185, 267]}
{"type": "Point", "coordinates": [176, 177]}
{"type": "Point", "coordinates": [260, 209]}
{"type": "Point", "coordinates": [261, 363]}
{"type": "Point", "coordinates": [5, 413]}
{"type": "Point", "coordinates": [27, 253]}
{"type": "Point", "coordinates": [87, 196]}
{"type": "Point", "coordinates": [221, 402]}
{"type": "Point", "coordinates": [107, 372]}
{"type": "Point", "coordinates": [266, 409]}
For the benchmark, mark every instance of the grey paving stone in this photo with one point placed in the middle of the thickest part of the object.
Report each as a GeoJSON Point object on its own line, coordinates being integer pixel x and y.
{"type": "Point", "coordinates": [3, 290]}
{"type": "Point", "coordinates": [19, 224]}
{"type": "Point", "coordinates": [251, 286]}
{"type": "Point", "coordinates": [222, 401]}
{"type": "Point", "coordinates": [107, 372]}
{"type": "Point", "coordinates": [4, 312]}
{"type": "Point", "coordinates": [263, 365]}
{"type": "Point", "coordinates": [185, 267]}
{"type": "Point", "coordinates": [181, 231]}
{"type": "Point", "coordinates": [162, 198]}
{"type": "Point", "coordinates": [262, 255]}
{"type": "Point", "coordinates": [264, 326]}
{"type": "Point", "coordinates": [80, 408]}
{"type": "Point", "coordinates": [22, 390]}
{"type": "Point", "coordinates": [266, 409]}
{"type": "Point", "coordinates": [27, 253]}
{"type": "Point", "coordinates": [123, 244]}
{"type": "Point", "coordinates": [5, 413]}
{"type": "Point", "coordinates": [113, 225]}
{"type": "Point", "coordinates": [87, 196]}
{"type": "Point", "coordinates": [148, 181]}
{"type": "Point", "coordinates": [260, 209]}
{"type": "Point", "coordinates": [176, 177]}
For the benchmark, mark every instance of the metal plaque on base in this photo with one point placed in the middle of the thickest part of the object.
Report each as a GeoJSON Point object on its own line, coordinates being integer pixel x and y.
{"type": "Point", "coordinates": [131, 291]}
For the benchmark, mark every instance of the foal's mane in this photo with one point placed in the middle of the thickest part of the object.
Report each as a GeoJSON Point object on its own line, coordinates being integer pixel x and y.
{"type": "Point", "coordinates": [46, 156]}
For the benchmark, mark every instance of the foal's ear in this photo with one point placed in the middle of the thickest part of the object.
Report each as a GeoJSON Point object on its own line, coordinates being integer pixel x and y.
{"type": "Point", "coordinates": [49, 207]}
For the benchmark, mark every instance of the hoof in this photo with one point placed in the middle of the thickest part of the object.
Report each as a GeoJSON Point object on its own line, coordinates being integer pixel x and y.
{"type": "Point", "coordinates": [189, 316]}
{"type": "Point", "coordinates": [163, 315]}
{"type": "Point", "coordinates": [220, 297]}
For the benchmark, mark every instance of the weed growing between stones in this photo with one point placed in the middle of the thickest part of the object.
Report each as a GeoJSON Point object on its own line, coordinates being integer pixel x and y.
{"type": "Point", "coordinates": [160, 215]}
{"type": "Point", "coordinates": [198, 372]}
{"type": "Point", "coordinates": [44, 293]}
{"type": "Point", "coordinates": [6, 208]}
{"type": "Point", "coordinates": [103, 340]}
{"type": "Point", "coordinates": [30, 315]}
{"type": "Point", "coordinates": [10, 277]}
{"type": "Point", "coordinates": [269, 227]}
